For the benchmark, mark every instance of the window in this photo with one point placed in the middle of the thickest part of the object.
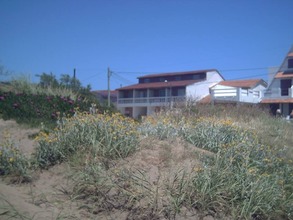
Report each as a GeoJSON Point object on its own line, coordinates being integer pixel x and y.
{"type": "Point", "coordinates": [161, 79]}
{"type": "Point", "coordinates": [144, 80]}
{"type": "Point", "coordinates": [142, 93]}
{"type": "Point", "coordinates": [181, 92]}
{"type": "Point", "coordinates": [177, 78]}
{"type": "Point", "coordinates": [285, 85]}
{"type": "Point", "coordinates": [159, 93]}
{"type": "Point", "coordinates": [290, 63]}
{"type": "Point", "coordinates": [162, 92]}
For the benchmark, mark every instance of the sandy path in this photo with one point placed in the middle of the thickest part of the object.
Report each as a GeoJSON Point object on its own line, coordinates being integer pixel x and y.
{"type": "Point", "coordinates": [19, 134]}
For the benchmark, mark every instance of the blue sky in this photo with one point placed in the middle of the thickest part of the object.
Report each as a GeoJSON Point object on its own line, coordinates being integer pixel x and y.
{"type": "Point", "coordinates": [135, 37]}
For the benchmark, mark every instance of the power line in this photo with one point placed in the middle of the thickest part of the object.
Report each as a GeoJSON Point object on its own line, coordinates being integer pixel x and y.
{"type": "Point", "coordinates": [92, 76]}
{"type": "Point", "coordinates": [122, 78]}
{"type": "Point", "coordinates": [247, 69]}
{"type": "Point", "coordinates": [246, 77]}
{"type": "Point", "coordinates": [220, 70]}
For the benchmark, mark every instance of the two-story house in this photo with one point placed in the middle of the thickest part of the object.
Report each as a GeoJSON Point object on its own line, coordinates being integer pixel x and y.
{"type": "Point", "coordinates": [238, 91]}
{"type": "Point", "coordinates": [156, 91]}
{"type": "Point", "coordinates": [279, 94]}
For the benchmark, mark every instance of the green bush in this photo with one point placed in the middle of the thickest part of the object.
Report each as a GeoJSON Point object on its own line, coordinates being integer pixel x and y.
{"type": "Point", "coordinates": [213, 134]}
{"type": "Point", "coordinates": [34, 109]}
{"type": "Point", "coordinates": [101, 135]}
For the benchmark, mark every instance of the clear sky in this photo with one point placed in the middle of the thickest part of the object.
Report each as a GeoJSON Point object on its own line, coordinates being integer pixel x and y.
{"type": "Point", "coordinates": [240, 38]}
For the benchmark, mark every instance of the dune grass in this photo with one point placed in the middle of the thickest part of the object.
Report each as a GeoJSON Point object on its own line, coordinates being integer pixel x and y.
{"type": "Point", "coordinates": [245, 172]}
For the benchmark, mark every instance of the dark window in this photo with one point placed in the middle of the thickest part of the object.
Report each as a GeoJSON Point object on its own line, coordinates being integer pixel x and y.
{"type": "Point", "coordinates": [285, 85]}
{"type": "Point", "coordinates": [178, 91]}
{"type": "Point", "coordinates": [162, 92]}
{"type": "Point", "coordinates": [159, 93]}
{"type": "Point", "coordinates": [141, 93]}
{"type": "Point", "coordinates": [290, 63]}
{"type": "Point", "coordinates": [177, 78]}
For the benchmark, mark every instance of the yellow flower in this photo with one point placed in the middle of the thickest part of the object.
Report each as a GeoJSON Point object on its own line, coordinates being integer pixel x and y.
{"type": "Point", "coordinates": [267, 160]}
{"type": "Point", "coordinates": [252, 170]}
{"type": "Point", "coordinates": [198, 169]}
{"type": "Point", "coordinates": [11, 159]}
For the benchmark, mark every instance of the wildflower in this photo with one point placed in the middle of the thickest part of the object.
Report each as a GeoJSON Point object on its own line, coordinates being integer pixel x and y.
{"type": "Point", "coordinates": [11, 159]}
{"type": "Point", "coordinates": [252, 171]}
{"type": "Point", "coordinates": [267, 160]}
{"type": "Point", "coordinates": [70, 102]}
{"type": "Point", "coordinates": [198, 169]}
{"type": "Point", "coordinates": [265, 175]}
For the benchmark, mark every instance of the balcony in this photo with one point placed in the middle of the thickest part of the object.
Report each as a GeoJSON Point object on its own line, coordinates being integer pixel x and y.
{"type": "Point", "coordinates": [145, 101]}
{"type": "Point", "coordinates": [278, 93]}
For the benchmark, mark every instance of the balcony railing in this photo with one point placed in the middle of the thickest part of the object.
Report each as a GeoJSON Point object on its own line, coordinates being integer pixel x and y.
{"type": "Point", "coordinates": [152, 100]}
{"type": "Point", "coordinates": [279, 93]}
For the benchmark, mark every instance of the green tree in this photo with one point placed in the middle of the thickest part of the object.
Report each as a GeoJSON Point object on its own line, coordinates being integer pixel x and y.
{"type": "Point", "coordinates": [65, 80]}
{"type": "Point", "coordinates": [75, 84]}
{"type": "Point", "coordinates": [48, 80]}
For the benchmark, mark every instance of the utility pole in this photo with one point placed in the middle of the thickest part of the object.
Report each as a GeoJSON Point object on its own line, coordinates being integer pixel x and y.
{"type": "Point", "coordinates": [109, 75]}
{"type": "Point", "coordinates": [74, 77]}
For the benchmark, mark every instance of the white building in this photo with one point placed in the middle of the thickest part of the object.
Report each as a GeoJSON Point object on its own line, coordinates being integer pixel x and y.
{"type": "Point", "coordinates": [157, 91]}
{"type": "Point", "coordinates": [238, 91]}
{"type": "Point", "coordinates": [279, 94]}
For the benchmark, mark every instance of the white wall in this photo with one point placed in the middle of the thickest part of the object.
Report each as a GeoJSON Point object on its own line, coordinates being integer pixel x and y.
{"type": "Point", "coordinates": [224, 91]}
{"type": "Point", "coordinates": [274, 89]}
{"type": "Point", "coordinates": [199, 90]}
{"type": "Point", "coordinates": [259, 88]}
{"type": "Point", "coordinates": [228, 93]}
{"type": "Point", "coordinates": [139, 111]}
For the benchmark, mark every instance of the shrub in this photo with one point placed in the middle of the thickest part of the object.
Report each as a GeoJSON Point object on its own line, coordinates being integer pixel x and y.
{"type": "Point", "coordinates": [246, 179]}
{"type": "Point", "coordinates": [238, 181]}
{"type": "Point", "coordinates": [213, 134]}
{"type": "Point", "coordinates": [34, 109]}
{"type": "Point", "coordinates": [111, 136]}
{"type": "Point", "coordinates": [162, 126]}
{"type": "Point", "coordinates": [12, 161]}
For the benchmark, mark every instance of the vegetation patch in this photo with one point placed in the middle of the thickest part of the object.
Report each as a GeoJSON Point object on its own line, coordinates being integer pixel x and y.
{"type": "Point", "coordinates": [12, 160]}
{"type": "Point", "coordinates": [102, 135]}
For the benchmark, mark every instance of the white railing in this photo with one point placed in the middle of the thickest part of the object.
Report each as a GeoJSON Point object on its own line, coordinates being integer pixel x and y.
{"type": "Point", "coordinates": [279, 93]}
{"type": "Point", "coordinates": [150, 100]}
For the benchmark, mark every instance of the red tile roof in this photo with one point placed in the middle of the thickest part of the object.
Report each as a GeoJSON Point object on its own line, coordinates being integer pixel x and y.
{"type": "Point", "coordinates": [156, 85]}
{"type": "Point", "coordinates": [281, 75]}
{"type": "Point", "coordinates": [270, 101]}
{"type": "Point", "coordinates": [206, 100]}
{"type": "Point", "coordinates": [249, 83]}
{"type": "Point", "coordinates": [177, 73]}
